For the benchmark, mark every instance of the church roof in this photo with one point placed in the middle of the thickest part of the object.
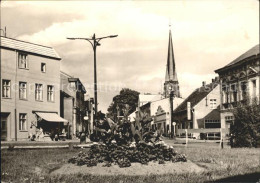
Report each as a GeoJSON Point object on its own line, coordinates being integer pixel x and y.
{"type": "Point", "coordinates": [171, 74]}
{"type": "Point", "coordinates": [196, 96]}
{"type": "Point", "coordinates": [251, 52]}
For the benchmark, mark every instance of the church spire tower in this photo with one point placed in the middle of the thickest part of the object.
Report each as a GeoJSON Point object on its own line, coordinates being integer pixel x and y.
{"type": "Point", "coordinates": [171, 80]}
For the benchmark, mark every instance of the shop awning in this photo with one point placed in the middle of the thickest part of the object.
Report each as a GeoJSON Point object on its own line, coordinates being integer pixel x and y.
{"type": "Point", "coordinates": [51, 117]}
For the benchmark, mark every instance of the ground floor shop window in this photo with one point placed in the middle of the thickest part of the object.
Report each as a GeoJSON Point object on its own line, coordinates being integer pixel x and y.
{"type": "Point", "coordinates": [51, 129]}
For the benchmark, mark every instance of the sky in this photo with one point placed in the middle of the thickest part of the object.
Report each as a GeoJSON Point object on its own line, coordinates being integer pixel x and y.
{"type": "Point", "coordinates": [207, 35]}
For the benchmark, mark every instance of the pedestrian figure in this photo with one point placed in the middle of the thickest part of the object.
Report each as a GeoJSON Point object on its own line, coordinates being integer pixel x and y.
{"type": "Point", "coordinates": [56, 137]}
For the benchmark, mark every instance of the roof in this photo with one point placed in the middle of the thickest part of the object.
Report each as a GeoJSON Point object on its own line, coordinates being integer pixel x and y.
{"type": "Point", "coordinates": [66, 74]}
{"type": "Point", "coordinates": [252, 52]}
{"type": "Point", "coordinates": [148, 98]}
{"type": "Point", "coordinates": [14, 44]}
{"type": "Point", "coordinates": [196, 96]}
{"type": "Point", "coordinates": [146, 105]}
{"type": "Point", "coordinates": [171, 74]}
{"type": "Point", "coordinates": [165, 104]}
{"type": "Point", "coordinates": [73, 79]}
{"type": "Point", "coordinates": [214, 114]}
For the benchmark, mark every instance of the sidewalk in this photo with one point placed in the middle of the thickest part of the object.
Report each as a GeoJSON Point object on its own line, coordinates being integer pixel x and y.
{"type": "Point", "coordinates": [75, 143]}
{"type": "Point", "coordinates": [42, 144]}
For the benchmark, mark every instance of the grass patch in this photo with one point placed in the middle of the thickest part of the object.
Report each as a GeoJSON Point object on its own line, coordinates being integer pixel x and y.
{"type": "Point", "coordinates": [221, 164]}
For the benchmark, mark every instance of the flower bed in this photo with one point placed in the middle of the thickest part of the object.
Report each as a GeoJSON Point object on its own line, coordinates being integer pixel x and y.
{"type": "Point", "coordinates": [124, 155]}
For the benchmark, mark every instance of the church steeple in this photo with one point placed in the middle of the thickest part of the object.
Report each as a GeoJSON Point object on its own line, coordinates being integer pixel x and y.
{"type": "Point", "coordinates": [171, 80]}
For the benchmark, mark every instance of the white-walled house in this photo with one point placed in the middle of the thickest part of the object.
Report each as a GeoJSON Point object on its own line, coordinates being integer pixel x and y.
{"type": "Point", "coordinates": [160, 110]}
{"type": "Point", "coordinates": [200, 110]}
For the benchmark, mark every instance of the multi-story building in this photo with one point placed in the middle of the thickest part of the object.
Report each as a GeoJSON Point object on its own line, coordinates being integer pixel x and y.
{"type": "Point", "coordinates": [30, 89]}
{"type": "Point", "coordinates": [72, 103]}
{"type": "Point", "coordinates": [239, 80]}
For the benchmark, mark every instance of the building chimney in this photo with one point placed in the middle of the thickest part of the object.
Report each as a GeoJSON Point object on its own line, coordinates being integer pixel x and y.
{"type": "Point", "coordinates": [203, 83]}
{"type": "Point", "coordinates": [213, 80]}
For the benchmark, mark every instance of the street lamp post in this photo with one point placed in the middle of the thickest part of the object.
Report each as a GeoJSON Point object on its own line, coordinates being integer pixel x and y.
{"type": "Point", "coordinates": [171, 109]}
{"type": "Point", "coordinates": [94, 43]}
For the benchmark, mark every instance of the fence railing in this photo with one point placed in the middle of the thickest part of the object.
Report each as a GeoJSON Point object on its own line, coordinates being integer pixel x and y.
{"type": "Point", "coordinates": [209, 134]}
{"type": "Point", "coordinates": [203, 130]}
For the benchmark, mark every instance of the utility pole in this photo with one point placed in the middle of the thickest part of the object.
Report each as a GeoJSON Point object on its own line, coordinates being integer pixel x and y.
{"type": "Point", "coordinates": [94, 43]}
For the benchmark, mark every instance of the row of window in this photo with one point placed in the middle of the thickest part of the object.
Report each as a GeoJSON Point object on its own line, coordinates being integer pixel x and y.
{"type": "Point", "coordinates": [23, 90]}
{"type": "Point", "coordinates": [212, 121]}
{"type": "Point", "coordinates": [230, 94]}
{"type": "Point", "coordinates": [23, 62]}
{"type": "Point", "coordinates": [233, 94]}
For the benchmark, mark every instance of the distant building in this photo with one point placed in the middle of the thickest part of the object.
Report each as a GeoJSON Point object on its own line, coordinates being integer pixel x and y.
{"type": "Point", "coordinates": [239, 79]}
{"type": "Point", "coordinates": [161, 112]}
{"type": "Point", "coordinates": [72, 103]}
{"type": "Point", "coordinates": [30, 90]}
{"type": "Point", "coordinates": [200, 110]}
{"type": "Point", "coordinates": [158, 108]}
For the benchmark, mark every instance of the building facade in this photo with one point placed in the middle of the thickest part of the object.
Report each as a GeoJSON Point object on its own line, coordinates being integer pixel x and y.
{"type": "Point", "coordinates": [73, 106]}
{"type": "Point", "coordinates": [239, 80]}
{"type": "Point", "coordinates": [200, 110]}
{"type": "Point", "coordinates": [161, 112]}
{"type": "Point", "coordinates": [30, 88]}
{"type": "Point", "coordinates": [158, 108]}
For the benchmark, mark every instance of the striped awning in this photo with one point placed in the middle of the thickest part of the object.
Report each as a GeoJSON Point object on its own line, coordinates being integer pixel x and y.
{"type": "Point", "coordinates": [51, 117]}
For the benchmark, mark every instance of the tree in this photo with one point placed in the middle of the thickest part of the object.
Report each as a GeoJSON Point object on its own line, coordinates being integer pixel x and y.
{"type": "Point", "coordinates": [246, 127]}
{"type": "Point", "coordinates": [126, 98]}
{"type": "Point", "coordinates": [100, 115]}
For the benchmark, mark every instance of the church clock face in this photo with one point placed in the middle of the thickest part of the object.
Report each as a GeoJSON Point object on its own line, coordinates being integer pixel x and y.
{"type": "Point", "coordinates": [170, 88]}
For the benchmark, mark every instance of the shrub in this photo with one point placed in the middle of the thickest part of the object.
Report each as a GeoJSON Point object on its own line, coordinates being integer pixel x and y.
{"type": "Point", "coordinates": [245, 131]}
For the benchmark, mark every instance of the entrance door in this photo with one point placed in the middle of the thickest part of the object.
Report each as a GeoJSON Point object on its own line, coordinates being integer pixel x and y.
{"type": "Point", "coordinates": [4, 118]}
